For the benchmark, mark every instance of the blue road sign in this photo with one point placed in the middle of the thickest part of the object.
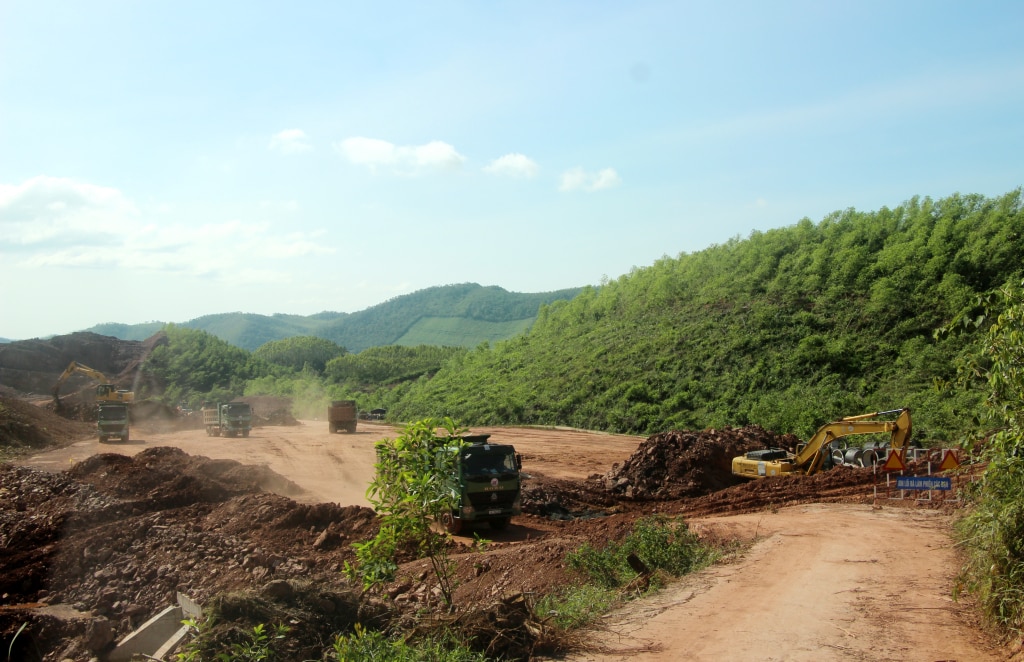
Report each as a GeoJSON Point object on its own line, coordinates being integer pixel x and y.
{"type": "Point", "coordinates": [923, 483]}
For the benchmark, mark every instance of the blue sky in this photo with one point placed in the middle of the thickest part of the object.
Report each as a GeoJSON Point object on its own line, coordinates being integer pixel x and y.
{"type": "Point", "coordinates": [167, 160]}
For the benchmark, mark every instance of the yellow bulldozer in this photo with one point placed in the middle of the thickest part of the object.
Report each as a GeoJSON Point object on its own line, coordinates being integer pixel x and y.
{"type": "Point", "coordinates": [821, 450]}
{"type": "Point", "coordinates": [106, 392]}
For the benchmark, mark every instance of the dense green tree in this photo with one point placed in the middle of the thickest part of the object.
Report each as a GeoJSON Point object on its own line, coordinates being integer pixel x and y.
{"type": "Point", "coordinates": [300, 351]}
{"type": "Point", "coordinates": [193, 364]}
{"type": "Point", "coordinates": [389, 364]}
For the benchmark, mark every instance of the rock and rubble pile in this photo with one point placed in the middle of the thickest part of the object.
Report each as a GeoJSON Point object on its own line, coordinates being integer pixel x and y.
{"type": "Point", "coordinates": [686, 463]}
{"type": "Point", "coordinates": [117, 537]}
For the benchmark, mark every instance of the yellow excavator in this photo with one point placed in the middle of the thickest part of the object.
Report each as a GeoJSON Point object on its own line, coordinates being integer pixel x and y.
{"type": "Point", "coordinates": [818, 452]}
{"type": "Point", "coordinates": [105, 391]}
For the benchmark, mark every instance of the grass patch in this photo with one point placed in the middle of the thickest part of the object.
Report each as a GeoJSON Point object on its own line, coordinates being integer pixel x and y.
{"type": "Point", "coordinates": [659, 543]}
{"type": "Point", "coordinates": [374, 646]}
{"type": "Point", "coordinates": [576, 606]}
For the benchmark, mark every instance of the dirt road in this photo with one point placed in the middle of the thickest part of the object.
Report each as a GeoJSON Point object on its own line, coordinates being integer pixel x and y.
{"type": "Point", "coordinates": [337, 468]}
{"type": "Point", "coordinates": [824, 582]}
{"type": "Point", "coordinates": [831, 582]}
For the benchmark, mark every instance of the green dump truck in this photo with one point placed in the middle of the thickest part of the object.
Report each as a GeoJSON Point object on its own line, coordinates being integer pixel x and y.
{"type": "Point", "coordinates": [112, 420]}
{"type": "Point", "coordinates": [490, 484]}
{"type": "Point", "coordinates": [228, 419]}
{"type": "Point", "coordinates": [342, 415]}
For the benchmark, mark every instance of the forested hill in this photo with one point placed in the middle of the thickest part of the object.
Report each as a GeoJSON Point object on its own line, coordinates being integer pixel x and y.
{"type": "Point", "coordinates": [787, 329]}
{"type": "Point", "coordinates": [462, 315]}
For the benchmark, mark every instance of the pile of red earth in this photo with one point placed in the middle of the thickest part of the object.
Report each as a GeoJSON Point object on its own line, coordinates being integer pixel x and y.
{"type": "Point", "coordinates": [24, 426]}
{"type": "Point", "coordinates": [686, 463]}
{"type": "Point", "coordinates": [114, 538]}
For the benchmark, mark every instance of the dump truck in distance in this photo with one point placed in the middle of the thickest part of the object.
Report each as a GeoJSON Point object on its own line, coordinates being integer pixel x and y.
{"type": "Point", "coordinates": [228, 419]}
{"type": "Point", "coordinates": [342, 415]}
{"type": "Point", "coordinates": [490, 485]}
{"type": "Point", "coordinates": [112, 420]}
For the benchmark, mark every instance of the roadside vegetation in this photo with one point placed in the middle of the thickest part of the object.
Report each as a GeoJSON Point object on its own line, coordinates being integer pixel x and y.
{"type": "Point", "coordinates": [993, 530]}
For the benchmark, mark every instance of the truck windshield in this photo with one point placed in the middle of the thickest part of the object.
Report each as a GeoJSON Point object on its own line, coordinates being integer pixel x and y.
{"type": "Point", "coordinates": [238, 410]}
{"type": "Point", "coordinates": [480, 461]}
{"type": "Point", "coordinates": [112, 413]}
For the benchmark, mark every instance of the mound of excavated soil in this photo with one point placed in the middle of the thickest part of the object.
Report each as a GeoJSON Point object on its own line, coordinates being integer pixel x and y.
{"type": "Point", "coordinates": [685, 463]}
{"type": "Point", "coordinates": [116, 537]}
{"type": "Point", "coordinates": [25, 426]}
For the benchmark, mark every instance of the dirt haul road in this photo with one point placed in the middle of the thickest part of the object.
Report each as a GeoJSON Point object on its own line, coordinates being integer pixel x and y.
{"type": "Point", "coordinates": [831, 582]}
{"type": "Point", "coordinates": [337, 468]}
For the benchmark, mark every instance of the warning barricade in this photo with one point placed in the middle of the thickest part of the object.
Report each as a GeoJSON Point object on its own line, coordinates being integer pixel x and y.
{"type": "Point", "coordinates": [920, 487]}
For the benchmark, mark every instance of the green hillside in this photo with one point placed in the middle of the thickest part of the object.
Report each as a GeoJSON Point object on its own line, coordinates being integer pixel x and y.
{"type": "Point", "coordinates": [460, 332]}
{"type": "Point", "coordinates": [452, 315]}
{"type": "Point", "coordinates": [786, 329]}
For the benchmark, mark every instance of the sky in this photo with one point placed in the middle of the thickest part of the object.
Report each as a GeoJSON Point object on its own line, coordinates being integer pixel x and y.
{"type": "Point", "coordinates": [164, 160]}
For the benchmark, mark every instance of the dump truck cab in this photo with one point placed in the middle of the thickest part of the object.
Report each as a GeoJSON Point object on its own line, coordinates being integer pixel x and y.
{"type": "Point", "coordinates": [229, 419]}
{"type": "Point", "coordinates": [112, 420]}
{"type": "Point", "coordinates": [490, 485]}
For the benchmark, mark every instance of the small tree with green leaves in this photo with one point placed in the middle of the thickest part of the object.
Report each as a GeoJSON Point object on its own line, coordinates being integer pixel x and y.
{"type": "Point", "coordinates": [416, 482]}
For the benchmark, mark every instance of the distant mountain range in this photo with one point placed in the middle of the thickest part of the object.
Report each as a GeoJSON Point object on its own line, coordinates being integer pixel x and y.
{"type": "Point", "coordinates": [463, 315]}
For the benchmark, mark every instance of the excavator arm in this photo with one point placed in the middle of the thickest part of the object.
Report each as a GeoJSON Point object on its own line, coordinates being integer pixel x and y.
{"type": "Point", "coordinates": [105, 391]}
{"type": "Point", "coordinates": [810, 457]}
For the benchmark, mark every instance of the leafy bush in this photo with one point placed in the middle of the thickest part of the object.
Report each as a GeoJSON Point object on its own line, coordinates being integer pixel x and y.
{"type": "Point", "coordinates": [258, 645]}
{"type": "Point", "coordinates": [416, 481]}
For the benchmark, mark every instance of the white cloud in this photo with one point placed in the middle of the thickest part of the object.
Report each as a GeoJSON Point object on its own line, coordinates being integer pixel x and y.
{"type": "Point", "coordinates": [513, 165]}
{"type": "Point", "coordinates": [59, 210]}
{"type": "Point", "coordinates": [50, 222]}
{"type": "Point", "coordinates": [576, 179]}
{"type": "Point", "coordinates": [290, 141]}
{"type": "Point", "coordinates": [403, 159]}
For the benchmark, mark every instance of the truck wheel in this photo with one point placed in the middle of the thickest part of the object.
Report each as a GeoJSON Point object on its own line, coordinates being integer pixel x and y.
{"type": "Point", "coordinates": [451, 524]}
{"type": "Point", "coordinates": [103, 439]}
{"type": "Point", "coordinates": [500, 523]}
{"type": "Point", "coordinates": [245, 433]}
{"type": "Point", "coordinates": [352, 428]}
{"type": "Point", "coordinates": [334, 428]}
{"type": "Point", "coordinates": [125, 437]}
